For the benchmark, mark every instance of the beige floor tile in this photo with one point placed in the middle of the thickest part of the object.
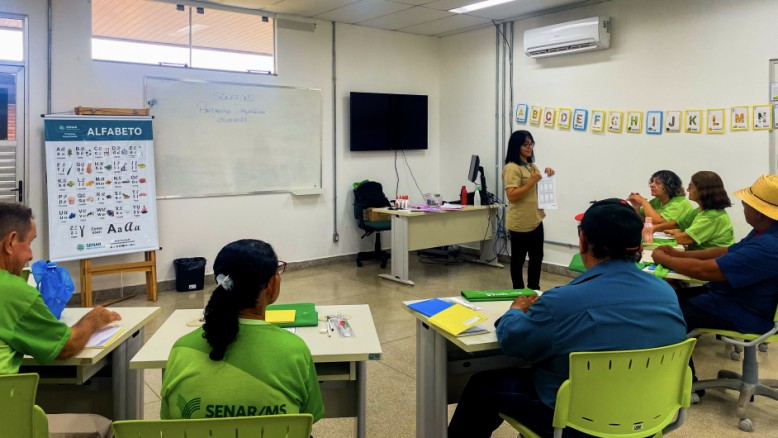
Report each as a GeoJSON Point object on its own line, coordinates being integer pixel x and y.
{"type": "Point", "coordinates": [400, 355]}
{"type": "Point", "coordinates": [153, 380]}
{"type": "Point", "coordinates": [151, 410]}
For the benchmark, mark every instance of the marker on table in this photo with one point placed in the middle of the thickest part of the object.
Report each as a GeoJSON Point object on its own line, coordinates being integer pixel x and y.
{"type": "Point", "coordinates": [329, 327]}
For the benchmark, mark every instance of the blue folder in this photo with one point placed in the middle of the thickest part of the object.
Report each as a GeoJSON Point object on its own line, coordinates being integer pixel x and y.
{"type": "Point", "coordinates": [430, 307]}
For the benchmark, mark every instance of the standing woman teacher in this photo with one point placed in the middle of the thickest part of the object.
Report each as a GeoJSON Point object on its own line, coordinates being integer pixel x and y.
{"type": "Point", "coordinates": [524, 220]}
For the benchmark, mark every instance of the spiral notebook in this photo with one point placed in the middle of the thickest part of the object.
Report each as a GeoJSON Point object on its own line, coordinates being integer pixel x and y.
{"type": "Point", "coordinates": [305, 314]}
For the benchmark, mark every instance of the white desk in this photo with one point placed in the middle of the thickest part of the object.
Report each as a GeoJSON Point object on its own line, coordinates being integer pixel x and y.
{"type": "Point", "coordinates": [444, 363]}
{"type": "Point", "coordinates": [96, 380]}
{"type": "Point", "coordinates": [672, 275]}
{"type": "Point", "coordinates": [341, 363]}
{"type": "Point", "coordinates": [412, 230]}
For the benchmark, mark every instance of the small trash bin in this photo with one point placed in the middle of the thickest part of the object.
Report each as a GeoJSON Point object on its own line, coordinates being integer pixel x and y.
{"type": "Point", "coordinates": [190, 273]}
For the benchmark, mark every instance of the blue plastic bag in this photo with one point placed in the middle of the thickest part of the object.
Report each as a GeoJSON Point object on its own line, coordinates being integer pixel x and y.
{"type": "Point", "coordinates": [55, 285]}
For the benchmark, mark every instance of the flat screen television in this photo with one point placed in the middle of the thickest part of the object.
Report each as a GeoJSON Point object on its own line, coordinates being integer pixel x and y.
{"type": "Point", "coordinates": [385, 122]}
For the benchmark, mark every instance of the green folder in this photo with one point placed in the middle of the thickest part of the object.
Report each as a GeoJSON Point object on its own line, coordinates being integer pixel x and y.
{"type": "Point", "coordinates": [305, 314]}
{"type": "Point", "coordinates": [497, 295]}
{"type": "Point", "coordinates": [577, 264]}
{"type": "Point", "coordinates": [658, 241]}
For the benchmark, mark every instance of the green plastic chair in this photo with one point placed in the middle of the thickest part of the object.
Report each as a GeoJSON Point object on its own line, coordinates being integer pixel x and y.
{"type": "Point", "coordinates": [747, 383]}
{"type": "Point", "coordinates": [630, 393]}
{"type": "Point", "coordinates": [270, 426]}
{"type": "Point", "coordinates": [19, 415]}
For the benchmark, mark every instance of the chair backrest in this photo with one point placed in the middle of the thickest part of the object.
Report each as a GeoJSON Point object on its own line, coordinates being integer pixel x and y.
{"type": "Point", "coordinates": [270, 426]}
{"type": "Point", "coordinates": [19, 416]}
{"type": "Point", "coordinates": [632, 393]}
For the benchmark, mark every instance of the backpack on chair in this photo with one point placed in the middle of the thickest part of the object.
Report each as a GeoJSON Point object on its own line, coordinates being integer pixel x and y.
{"type": "Point", "coordinates": [370, 194]}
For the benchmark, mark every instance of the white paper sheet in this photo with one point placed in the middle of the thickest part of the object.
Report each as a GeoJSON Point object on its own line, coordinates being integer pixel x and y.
{"type": "Point", "coordinates": [101, 338]}
{"type": "Point", "coordinates": [547, 193]}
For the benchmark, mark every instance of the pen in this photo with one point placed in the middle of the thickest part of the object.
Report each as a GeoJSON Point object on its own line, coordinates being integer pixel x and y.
{"type": "Point", "coordinates": [329, 328]}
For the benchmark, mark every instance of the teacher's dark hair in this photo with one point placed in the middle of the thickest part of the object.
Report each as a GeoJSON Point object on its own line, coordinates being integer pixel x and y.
{"type": "Point", "coordinates": [250, 264]}
{"type": "Point", "coordinates": [671, 181]}
{"type": "Point", "coordinates": [710, 190]}
{"type": "Point", "coordinates": [15, 217]}
{"type": "Point", "coordinates": [514, 147]}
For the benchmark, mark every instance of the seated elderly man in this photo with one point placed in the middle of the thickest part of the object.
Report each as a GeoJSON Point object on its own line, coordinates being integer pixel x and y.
{"type": "Point", "coordinates": [27, 326]}
{"type": "Point", "coordinates": [742, 293]}
{"type": "Point", "coordinates": [612, 306]}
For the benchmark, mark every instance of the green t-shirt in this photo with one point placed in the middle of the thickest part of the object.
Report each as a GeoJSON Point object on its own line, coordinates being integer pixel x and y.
{"type": "Point", "coordinates": [266, 371]}
{"type": "Point", "coordinates": [675, 208]}
{"type": "Point", "coordinates": [708, 228]}
{"type": "Point", "coordinates": [26, 325]}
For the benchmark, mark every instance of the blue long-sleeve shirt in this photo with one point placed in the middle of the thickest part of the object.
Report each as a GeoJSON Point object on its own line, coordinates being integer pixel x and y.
{"type": "Point", "coordinates": [612, 306]}
{"type": "Point", "coordinates": [749, 296]}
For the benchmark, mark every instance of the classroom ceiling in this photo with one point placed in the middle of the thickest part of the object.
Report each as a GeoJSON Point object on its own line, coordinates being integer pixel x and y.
{"type": "Point", "coordinates": [422, 17]}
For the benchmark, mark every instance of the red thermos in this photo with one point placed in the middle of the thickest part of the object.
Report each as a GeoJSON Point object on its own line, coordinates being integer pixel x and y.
{"type": "Point", "coordinates": [463, 196]}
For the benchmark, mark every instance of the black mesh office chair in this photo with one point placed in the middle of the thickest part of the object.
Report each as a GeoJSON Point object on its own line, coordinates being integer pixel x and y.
{"type": "Point", "coordinates": [368, 194]}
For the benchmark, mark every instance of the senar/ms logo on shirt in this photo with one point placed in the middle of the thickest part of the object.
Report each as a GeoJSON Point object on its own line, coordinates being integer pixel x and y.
{"type": "Point", "coordinates": [188, 408]}
{"type": "Point", "coordinates": [220, 411]}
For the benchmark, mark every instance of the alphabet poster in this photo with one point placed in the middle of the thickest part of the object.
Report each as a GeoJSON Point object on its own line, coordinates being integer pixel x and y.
{"type": "Point", "coordinates": [101, 187]}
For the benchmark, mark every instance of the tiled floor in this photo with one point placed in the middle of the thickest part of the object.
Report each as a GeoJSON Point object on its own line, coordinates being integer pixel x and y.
{"type": "Point", "coordinates": [392, 380]}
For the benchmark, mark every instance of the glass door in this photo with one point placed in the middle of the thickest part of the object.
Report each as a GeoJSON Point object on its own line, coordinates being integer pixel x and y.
{"type": "Point", "coordinates": [11, 133]}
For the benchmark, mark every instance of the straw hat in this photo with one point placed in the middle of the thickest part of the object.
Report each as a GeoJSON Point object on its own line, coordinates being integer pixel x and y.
{"type": "Point", "coordinates": [762, 195]}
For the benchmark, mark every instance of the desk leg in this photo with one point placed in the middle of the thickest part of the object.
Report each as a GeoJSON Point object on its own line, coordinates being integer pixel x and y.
{"type": "Point", "coordinates": [399, 260]}
{"type": "Point", "coordinates": [361, 399]}
{"type": "Point", "coordinates": [431, 376]}
{"type": "Point", "coordinates": [127, 383]}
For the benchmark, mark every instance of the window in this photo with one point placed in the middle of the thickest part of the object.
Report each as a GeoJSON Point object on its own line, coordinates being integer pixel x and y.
{"type": "Point", "coordinates": [11, 39]}
{"type": "Point", "coordinates": [149, 32]}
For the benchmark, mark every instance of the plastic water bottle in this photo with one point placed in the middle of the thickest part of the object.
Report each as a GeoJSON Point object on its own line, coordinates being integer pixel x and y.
{"type": "Point", "coordinates": [477, 195]}
{"type": "Point", "coordinates": [648, 231]}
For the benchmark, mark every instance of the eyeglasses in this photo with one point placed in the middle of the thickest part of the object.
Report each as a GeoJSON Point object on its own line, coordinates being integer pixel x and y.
{"type": "Point", "coordinates": [281, 267]}
{"type": "Point", "coordinates": [529, 144]}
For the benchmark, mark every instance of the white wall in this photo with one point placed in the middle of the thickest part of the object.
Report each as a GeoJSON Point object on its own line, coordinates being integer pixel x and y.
{"type": "Point", "coordinates": [386, 62]}
{"type": "Point", "coordinates": [300, 228]}
{"type": "Point", "coordinates": [664, 55]}
{"type": "Point", "coordinates": [467, 108]}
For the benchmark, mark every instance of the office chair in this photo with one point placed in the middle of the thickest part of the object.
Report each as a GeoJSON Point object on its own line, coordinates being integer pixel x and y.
{"type": "Point", "coordinates": [20, 416]}
{"type": "Point", "coordinates": [270, 426]}
{"type": "Point", "coordinates": [369, 194]}
{"type": "Point", "coordinates": [747, 383]}
{"type": "Point", "coordinates": [630, 393]}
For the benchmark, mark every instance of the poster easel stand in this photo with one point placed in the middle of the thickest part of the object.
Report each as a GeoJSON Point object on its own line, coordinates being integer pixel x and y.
{"type": "Point", "coordinates": [149, 266]}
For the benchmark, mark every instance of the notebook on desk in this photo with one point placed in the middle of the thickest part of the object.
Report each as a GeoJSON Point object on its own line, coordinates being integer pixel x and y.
{"type": "Point", "coordinates": [456, 319]}
{"type": "Point", "coordinates": [496, 295]}
{"type": "Point", "coordinates": [305, 314]}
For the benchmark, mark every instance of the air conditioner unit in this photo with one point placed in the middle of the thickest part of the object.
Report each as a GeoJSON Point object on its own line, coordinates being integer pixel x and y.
{"type": "Point", "coordinates": [571, 37]}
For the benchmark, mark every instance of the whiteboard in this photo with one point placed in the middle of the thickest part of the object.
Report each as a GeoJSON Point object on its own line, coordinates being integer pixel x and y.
{"type": "Point", "coordinates": [218, 138]}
